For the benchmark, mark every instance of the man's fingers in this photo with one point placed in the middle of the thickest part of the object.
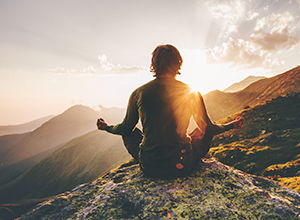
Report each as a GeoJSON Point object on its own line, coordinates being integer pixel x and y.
{"type": "Point", "coordinates": [239, 118]}
{"type": "Point", "coordinates": [101, 124]}
{"type": "Point", "coordinates": [100, 121]}
{"type": "Point", "coordinates": [238, 123]}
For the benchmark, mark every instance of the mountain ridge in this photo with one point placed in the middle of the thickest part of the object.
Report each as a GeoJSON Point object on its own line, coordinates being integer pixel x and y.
{"type": "Point", "coordinates": [220, 105]}
{"type": "Point", "coordinates": [268, 144]}
{"type": "Point", "coordinates": [242, 84]}
{"type": "Point", "coordinates": [51, 135]}
{"type": "Point", "coordinates": [82, 159]}
{"type": "Point", "coordinates": [25, 127]}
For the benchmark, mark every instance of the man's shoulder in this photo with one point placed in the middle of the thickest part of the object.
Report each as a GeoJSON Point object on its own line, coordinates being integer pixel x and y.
{"type": "Point", "coordinates": [148, 84]}
{"type": "Point", "coordinates": [157, 83]}
{"type": "Point", "coordinates": [182, 84]}
{"type": "Point", "coordinates": [143, 87]}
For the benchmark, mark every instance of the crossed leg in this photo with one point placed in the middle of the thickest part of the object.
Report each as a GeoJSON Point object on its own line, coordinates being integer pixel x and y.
{"type": "Point", "coordinates": [132, 142]}
{"type": "Point", "coordinates": [200, 146]}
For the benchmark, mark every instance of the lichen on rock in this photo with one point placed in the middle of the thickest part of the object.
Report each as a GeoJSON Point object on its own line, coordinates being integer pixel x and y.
{"type": "Point", "coordinates": [212, 191]}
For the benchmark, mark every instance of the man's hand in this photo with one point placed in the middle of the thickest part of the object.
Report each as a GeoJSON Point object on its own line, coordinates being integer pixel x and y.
{"type": "Point", "coordinates": [238, 123]}
{"type": "Point", "coordinates": [101, 124]}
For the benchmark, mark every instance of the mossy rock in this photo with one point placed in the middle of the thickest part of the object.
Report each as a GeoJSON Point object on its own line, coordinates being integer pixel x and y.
{"type": "Point", "coordinates": [212, 191]}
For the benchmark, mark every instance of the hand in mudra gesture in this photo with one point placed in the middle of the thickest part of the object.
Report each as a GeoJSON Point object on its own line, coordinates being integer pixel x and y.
{"type": "Point", "coordinates": [238, 123]}
{"type": "Point", "coordinates": [101, 124]}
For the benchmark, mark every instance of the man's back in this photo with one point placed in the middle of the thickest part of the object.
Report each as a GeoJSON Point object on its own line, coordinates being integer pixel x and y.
{"type": "Point", "coordinates": [165, 111]}
{"type": "Point", "coordinates": [165, 107]}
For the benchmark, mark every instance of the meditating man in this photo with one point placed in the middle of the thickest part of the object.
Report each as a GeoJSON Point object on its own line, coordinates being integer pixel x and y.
{"type": "Point", "coordinates": [165, 106]}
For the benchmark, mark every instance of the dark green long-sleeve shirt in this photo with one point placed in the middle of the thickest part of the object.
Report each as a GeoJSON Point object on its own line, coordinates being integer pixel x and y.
{"type": "Point", "coordinates": [165, 106]}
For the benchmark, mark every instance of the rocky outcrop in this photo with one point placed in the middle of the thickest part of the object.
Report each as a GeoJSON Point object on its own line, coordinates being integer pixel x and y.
{"type": "Point", "coordinates": [213, 191]}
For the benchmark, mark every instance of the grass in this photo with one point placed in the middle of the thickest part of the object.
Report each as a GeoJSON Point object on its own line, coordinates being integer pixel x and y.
{"type": "Point", "coordinates": [290, 182]}
{"type": "Point", "coordinates": [268, 144]}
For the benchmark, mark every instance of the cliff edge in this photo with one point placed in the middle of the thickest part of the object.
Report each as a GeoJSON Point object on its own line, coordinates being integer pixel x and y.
{"type": "Point", "coordinates": [213, 191]}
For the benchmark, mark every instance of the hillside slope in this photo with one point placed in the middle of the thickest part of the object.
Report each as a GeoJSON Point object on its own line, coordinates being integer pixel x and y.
{"type": "Point", "coordinates": [213, 191]}
{"type": "Point", "coordinates": [81, 160]}
{"type": "Point", "coordinates": [35, 145]}
{"type": "Point", "coordinates": [268, 144]}
{"type": "Point", "coordinates": [220, 105]}
{"type": "Point", "coordinates": [7, 141]}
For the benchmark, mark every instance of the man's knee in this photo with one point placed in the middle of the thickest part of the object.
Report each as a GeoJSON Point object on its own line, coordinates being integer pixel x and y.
{"type": "Point", "coordinates": [132, 142]}
{"type": "Point", "coordinates": [201, 146]}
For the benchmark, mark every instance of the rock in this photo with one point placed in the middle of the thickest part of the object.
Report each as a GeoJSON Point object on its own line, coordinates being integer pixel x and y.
{"type": "Point", "coordinates": [212, 191]}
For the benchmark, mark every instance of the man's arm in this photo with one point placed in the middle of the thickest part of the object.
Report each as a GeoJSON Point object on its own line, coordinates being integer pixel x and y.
{"type": "Point", "coordinates": [211, 127]}
{"type": "Point", "coordinates": [128, 123]}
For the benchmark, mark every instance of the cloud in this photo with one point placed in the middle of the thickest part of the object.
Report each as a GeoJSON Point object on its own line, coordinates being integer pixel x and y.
{"type": "Point", "coordinates": [251, 15]}
{"type": "Point", "coordinates": [275, 31]}
{"type": "Point", "coordinates": [266, 8]}
{"type": "Point", "coordinates": [228, 12]}
{"type": "Point", "coordinates": [241, 54]}
{"type": "Point", "coordinates": [109, 67]}
{"type": "Point", "coordinates": [88, 70]}
{"type": "Point", "coordinates": [105, 68]}
{"type": "Point", "coordinates": [271, 35]}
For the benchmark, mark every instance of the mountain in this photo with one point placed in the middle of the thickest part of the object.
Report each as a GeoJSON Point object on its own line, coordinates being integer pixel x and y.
{"type": "Point", "coordinates": [23, 128]}
{"type": "Point", "coordinates": [213, 191]}
{"type": "Point", "coordinates": [268, 144]}
{"type": "Point", "coordinates": [33, 146]}
{"type": "Point", "coordinates": [220, 105]}
{"type": "Point", "coordinates": [7, 141]}
{"type": "Point", "coordinates": [243, 84]}
{"type": "Point", "coordinates": [81, 160]}
{"type": "Point", "coordinates": [287, 83]}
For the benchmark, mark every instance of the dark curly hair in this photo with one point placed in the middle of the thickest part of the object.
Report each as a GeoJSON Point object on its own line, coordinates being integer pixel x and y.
{"type": "Point", "coordinates": [165, 58]}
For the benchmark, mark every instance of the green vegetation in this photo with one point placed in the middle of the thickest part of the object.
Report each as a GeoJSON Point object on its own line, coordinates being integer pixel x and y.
{"type": "Point", "coordinates": [268, 144]}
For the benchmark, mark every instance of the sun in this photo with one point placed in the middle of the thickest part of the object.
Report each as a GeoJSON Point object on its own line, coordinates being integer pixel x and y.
{"type": "Point", "coordinates": [204, 77]}
{"type": "Point", "coordinates": [194, 69]}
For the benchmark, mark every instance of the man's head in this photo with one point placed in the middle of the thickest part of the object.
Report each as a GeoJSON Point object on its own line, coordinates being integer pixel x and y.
{"type": "Point", "coordinates": [165, 59]}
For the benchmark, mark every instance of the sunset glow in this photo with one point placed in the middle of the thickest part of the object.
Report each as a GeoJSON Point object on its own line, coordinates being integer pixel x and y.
{"type": "Point", "coordinates": [56, 54]}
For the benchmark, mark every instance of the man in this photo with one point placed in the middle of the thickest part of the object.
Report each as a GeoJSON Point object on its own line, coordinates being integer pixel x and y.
{"type": "Point", "coordinates": [165, 106]}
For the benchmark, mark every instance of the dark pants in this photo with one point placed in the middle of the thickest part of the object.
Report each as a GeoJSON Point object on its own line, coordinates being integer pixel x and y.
{"type": "Point", "coordinates": [200, 146]}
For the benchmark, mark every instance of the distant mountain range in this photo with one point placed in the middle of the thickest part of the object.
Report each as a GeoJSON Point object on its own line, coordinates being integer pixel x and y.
{"type": "Point", "coordinates": [23, 128]}
{"type": "Point", "coordinates": [21, 151]}
{"type": "Point", "coordinates": [220, 104]}
{"type": "Point", "coordinates": [243, 84]}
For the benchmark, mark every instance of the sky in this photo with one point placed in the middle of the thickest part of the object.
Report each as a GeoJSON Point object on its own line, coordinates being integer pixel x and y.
{"type": "Point", "coordinates": [56, 54]}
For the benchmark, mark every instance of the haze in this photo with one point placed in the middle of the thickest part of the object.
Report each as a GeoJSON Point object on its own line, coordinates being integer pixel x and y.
{"type": "Point", "coordinates": [55, 54]}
